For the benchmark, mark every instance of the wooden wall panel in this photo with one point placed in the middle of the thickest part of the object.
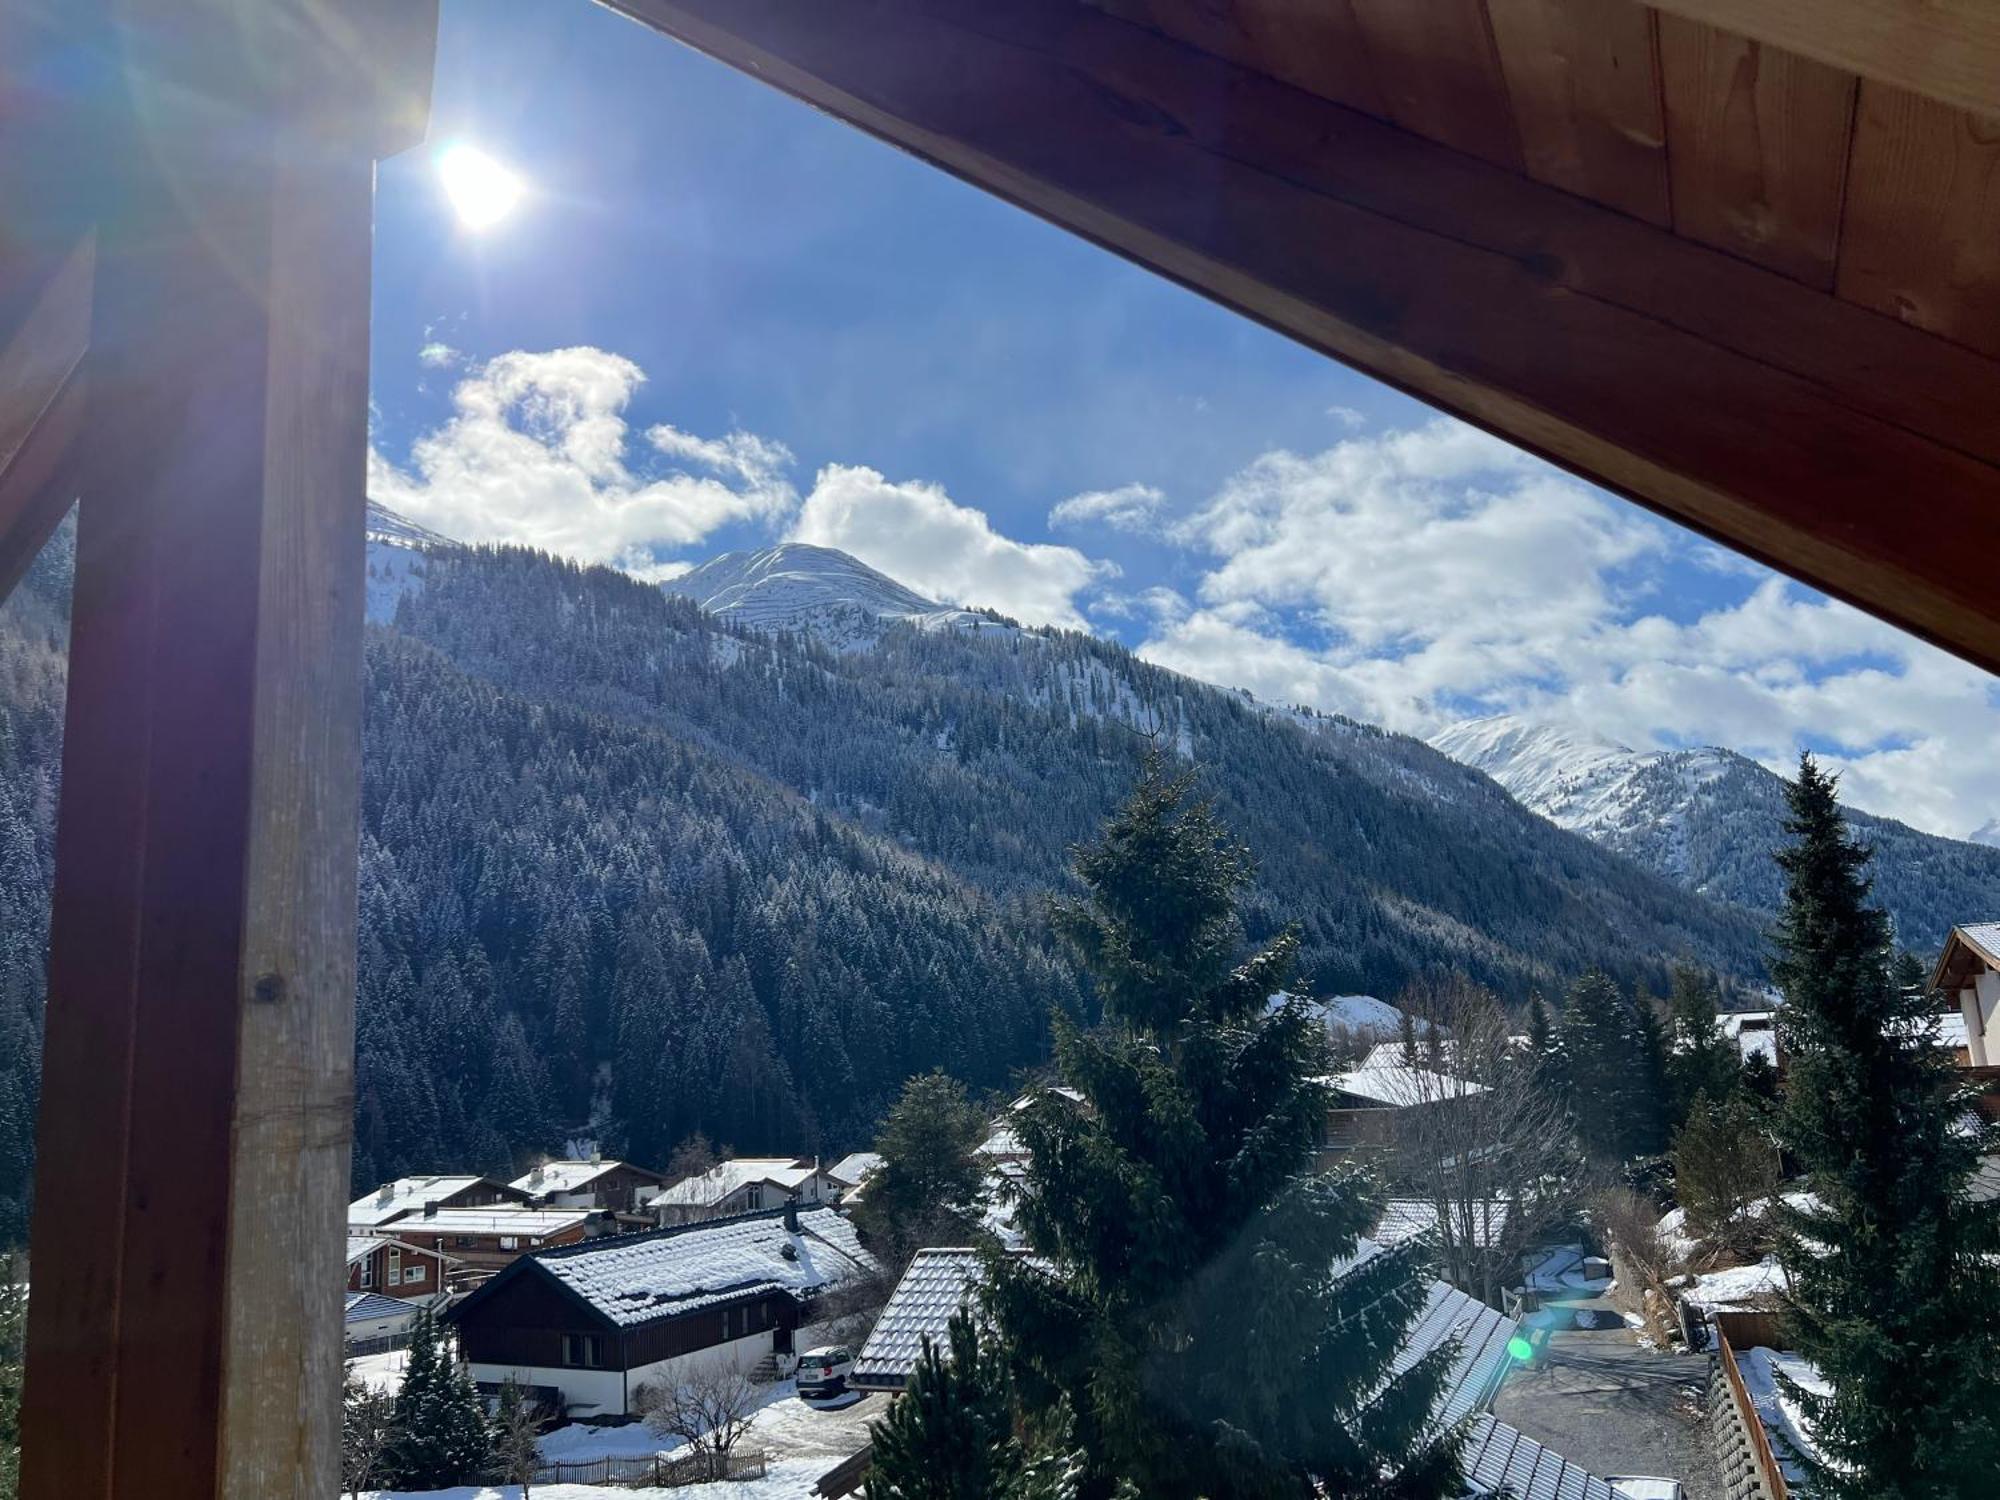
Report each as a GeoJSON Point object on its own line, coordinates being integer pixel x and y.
{"type": "Point", "coordinates": [1313, 44]}
{"type": "Point", "coordinates": [1757, 142]}
{"type": "Point", "coordinates": [1585, 81]}
{"type": "Point", "coordinates": [1922, 238]}
{"type": "Point", "coordinates": [1440, 75]}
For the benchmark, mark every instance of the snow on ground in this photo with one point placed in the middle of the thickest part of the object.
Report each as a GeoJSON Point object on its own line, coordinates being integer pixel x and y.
{"type": "Point", "coordinates": [1783, 1421]}
{"type": "Point", "coordinates": [1561, 1272]}
{"type": "Point", "coordinates": [804, 1441]}
{"type": "Point", "coordinates": [1758, 1285]}
{"type": "Point", "coordinates": [381, 1372]}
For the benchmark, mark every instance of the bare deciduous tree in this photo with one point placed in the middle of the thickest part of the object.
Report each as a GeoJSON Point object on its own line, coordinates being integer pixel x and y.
{"type": "Point", "coordinates": [366, 1425]}
{"type": "Point", "coordinates": [1479, 1138]}
{"type": "Point", "coordinates": [517, 1424]}
{"type": "Point", "coordinates": [709, 1410]}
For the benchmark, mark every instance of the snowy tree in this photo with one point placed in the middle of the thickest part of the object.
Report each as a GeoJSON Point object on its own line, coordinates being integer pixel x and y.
{"type": "Point", "coordinates": [1187, 1304]}
{"type": "Point", "coordinates": [367, 1423]}
{"type": "Point", "coordinates": [1725, 1171]}
{"type": "Point", "coordinates": [1895, 1290]}
{"type": "Point", "coordinates": [927, 1189]}
{"type": "Point", "coordinates": [709, 1410]}
{"type": "Point", "coordinates": [439, 1435]}
{"type": "Point", "coordinates": [517, 1427]}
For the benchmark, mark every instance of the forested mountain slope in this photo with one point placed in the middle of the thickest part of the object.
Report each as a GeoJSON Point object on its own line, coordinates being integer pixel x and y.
{"type": "Point", "coordinates": [1709, 818]}
{"type": "Point", "coordinates": [631, 870]}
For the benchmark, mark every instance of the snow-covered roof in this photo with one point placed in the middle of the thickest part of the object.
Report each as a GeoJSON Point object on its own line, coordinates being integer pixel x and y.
{"type": "Point", "coordinates": [725, 1177]}
{"type": "Point", "coordinates": [407, 1194]}
{"type": "Point", "coordinates": [1059, 1090]}
{"type": "Point", "coordinates": [372, 1307]}
{"type": "Point", "coordinates": [1394, 1084]}
{"type": "Point", "coordinates": [854, 1166]}
{"type": "Point", "coordinates": [1358, 1013]}
{"type": "Point", "coordinates": [1406, 1218]}
{"type": "Point", "coordinates": [534, 1223]}
{"type": "Point", "coordinates": [361, 1246]}
{"type": "Point", "coordinates": [637, 1278]}
{"type": "Point", "coordinates": [1001, 1141]}
{"type": "Point", "coordinates": [1502, 1460]}
{"type": "Point", "coordinates": [938, 1283]}
{"type": "Point", "coordinates": [569, 1176]}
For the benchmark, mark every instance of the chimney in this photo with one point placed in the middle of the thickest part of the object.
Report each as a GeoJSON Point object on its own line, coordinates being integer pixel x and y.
{"type": "Point", "coordinates": [791, 1216]}
{"type": "Point", "coordinates": [387, 1196]}
{"type": "Point", "coordinates": [430, 1208]}
{"type": "Point", "coordinates": [596, 1157]}
{"type": "Point", "coordinates": [535, 1177]}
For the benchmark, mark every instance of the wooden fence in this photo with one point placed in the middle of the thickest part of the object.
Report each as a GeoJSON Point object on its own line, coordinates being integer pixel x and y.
{"type": "Point", "coordinates": [1760, 1444]}
{"type": "Point", "coordinates": [659, 1471]}
{"type": "Point", "coordinates": [1750, 1330]}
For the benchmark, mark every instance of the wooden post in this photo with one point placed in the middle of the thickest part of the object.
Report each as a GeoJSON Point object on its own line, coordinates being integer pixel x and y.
{"type": "Point", "coordinates": [184, 1334]}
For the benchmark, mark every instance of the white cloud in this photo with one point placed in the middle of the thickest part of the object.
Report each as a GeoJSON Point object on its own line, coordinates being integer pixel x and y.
{"type": "Point", "coordinates": [1130, 507]}
{"type": "Point", "coordinates": [436, 355]}
{"type": "Point", "coordinates": [1409, 578]}
{"type": "Point", "coordinates": [538, 451]}
{"type": "Point", "coordinates": [918, 534]}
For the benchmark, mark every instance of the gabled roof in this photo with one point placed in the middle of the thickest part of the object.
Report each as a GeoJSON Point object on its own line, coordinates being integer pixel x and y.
{"type": "Point", "coordinates": [855, 1166]}
{"type": "Point", "coordinates": [409, 1194]}
{"type": "Point", "coordinates": [360, 1246]}
{"type": "Point", "coordinates": [1406, 1218]}
{"type": "Point", "coordinates": [369, 1307]}
{"type": "Point", "coordinates": [725, 1177]}
{"type": "Point", "coordinates": [940, 1282]}
{"type": "Point", "coordinates": [631, 1279]}
{"type": "Point", "coordinates": [531, 1223]}
{"type": "Point", "coordinates": [1972, 948]}
{"type": "Point", "coordinates": [571, 1176]}
{"type": "Point", "coordinates": [1396, 1085]}
{"type": "Point", "coordinates": [1503, 1461]}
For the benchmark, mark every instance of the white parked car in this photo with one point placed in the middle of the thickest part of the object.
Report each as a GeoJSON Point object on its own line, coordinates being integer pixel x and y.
{"type": "Point", "coordinates": [824, 1371]}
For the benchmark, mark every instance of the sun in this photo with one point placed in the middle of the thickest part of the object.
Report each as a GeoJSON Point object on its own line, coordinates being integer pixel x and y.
{"type": "Point", "coordinates": [482, 192]}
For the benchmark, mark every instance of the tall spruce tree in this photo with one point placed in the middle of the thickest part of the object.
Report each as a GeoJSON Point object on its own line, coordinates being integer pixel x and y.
{"type": "Point", "coordinates": [1192, 1304]}
{"type": "Point", "coordinates": [926, 1191]}
{"type": "Point", "coordinates": [1701, 1061]}
{"type": "Point", "coordinates": [440, 1436]}
{"type": "Point", "coordinates": [1895, 1293]}
{"type": "Point", "coordinates": [1611, 1072]}
{"type": "Point", "coordinates": [952, 1435]}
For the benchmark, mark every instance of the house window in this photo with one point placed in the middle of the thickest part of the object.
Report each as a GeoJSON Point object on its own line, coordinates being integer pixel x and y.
{"type": "Point", "coordinates": [367, 1272]}
{"type": "Point", "coordinates": [583, 1351]}
{"type": "Point", "coordinates": [509, 1242]}
{"type": "Point", "coordinates": [412, 1275]}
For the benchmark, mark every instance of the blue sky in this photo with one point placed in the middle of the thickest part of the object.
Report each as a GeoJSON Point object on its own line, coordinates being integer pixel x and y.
{"type": "Point", "coordinates": [719, 319]}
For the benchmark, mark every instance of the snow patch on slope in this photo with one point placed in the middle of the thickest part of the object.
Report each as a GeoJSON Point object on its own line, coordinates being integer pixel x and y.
{"type": "Point", "coordinates": [396, 560]}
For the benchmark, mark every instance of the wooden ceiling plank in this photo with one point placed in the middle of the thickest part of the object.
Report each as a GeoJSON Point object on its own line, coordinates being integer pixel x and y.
{"type": "Point", "coordinates": [1584, 79]}
{"type": "Point", "coordinates": [1922, 236]}
{"type": "Point", "coordinates": [1315, 45]}
{"type": "Point", "coordinates": [41, 408]}
{"type": "Point", "coordinates": [1440, 76]}
{"type": "Point", "coordinates": [1563, 326]}
{"type": "Point", "coordinates": [1757, 144]}
{"type": "Point", "coordinates": [1947, 50]}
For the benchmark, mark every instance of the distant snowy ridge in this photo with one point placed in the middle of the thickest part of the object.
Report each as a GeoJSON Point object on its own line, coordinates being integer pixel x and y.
{"type": "Point", "coordinates": [1710, 819]}
{"type": "Point", "coordinates": [814, 590]}
{"type": "Point", "coordinates": [396, 547]}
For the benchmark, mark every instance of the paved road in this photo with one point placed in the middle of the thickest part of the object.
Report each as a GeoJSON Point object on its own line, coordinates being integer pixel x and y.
{"type": "Point", "coordinates": [1601, 1400]}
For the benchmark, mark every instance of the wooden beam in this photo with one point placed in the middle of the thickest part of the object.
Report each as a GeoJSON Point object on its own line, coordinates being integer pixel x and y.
{"type": "Point", "coordinates": [1943, 49]}
{"type": "Point", "coordinates": [184, 1338]}
{"type": "Point", "coordinates": [1791, 425]}
{"type": "Point", "coordinates": [41, 413]}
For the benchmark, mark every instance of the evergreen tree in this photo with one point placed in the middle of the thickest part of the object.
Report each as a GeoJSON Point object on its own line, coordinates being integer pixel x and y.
{"type": "Point", "coordinates": [1725, 1170]}
{"type": "Point", "coordinates": [13, 1359]}
{"type": "Point", "coordinates": [440, 1435]}
{"type": "Point", "coordinates": [952, 1435]}
{"type": "Point", "coordinates": [927, 1188]}
{"type": "Point", "coordinates": [1700, 1059]}
{"type": "Point", "coordinates": [1895, 1293]}
{"type": "Point", "coordinates": [1190, 1306]}
{"type": "Point", "coordinates": [1611, 1072]}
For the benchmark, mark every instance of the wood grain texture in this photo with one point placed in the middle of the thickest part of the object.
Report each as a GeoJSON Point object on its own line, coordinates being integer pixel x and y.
{"type": "Point", "coordinates": [1922, 238]}
{"type": "Point", "coordinates": [1726, 396]}
{"type": "Point", "coordinates": [1947, 50]}
{"type": "Point", "coordinates": [184, 1337]}
{"type": "Point", "coordinates": [1313, 44]}
{"type": "Point", "coordinates": [41, 411]}
{"type": "Point", "coordinates": [1439, 74]}
{"type": "Point", "coordinates": [1757, 143]}
{"type": "Point", "coordinates": [1585, 83]}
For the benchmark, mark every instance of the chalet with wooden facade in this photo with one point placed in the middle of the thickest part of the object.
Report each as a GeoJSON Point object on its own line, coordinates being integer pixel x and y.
{"type": "Point", "coordinates": [1968, 972]}
{"type": "Point", "coordinates": [590, 1325]}
{"type": "Point", "coordinates": [414, 1195]}
{"type": "Point", "coordinates": [392, 1267]}
{"type": "Point", "coordinates": [613, 1186]}
{"type": "Point", "coordinates": [491, 1239]}
{"type": "Point", "coordinates": [747, 1184]}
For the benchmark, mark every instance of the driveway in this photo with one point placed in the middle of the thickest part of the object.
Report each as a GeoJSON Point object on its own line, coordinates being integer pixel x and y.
{"type": "Point", "coordinates": [1601, 1400]}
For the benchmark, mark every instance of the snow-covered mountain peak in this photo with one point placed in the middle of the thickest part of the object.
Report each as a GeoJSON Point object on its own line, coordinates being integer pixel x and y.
{"type": "Point", "coordinates": [797, 586]}
{"type": "Point", "coordinates": [396, 548]}
{"type": "Point", "coordinates": [1986, 833]}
